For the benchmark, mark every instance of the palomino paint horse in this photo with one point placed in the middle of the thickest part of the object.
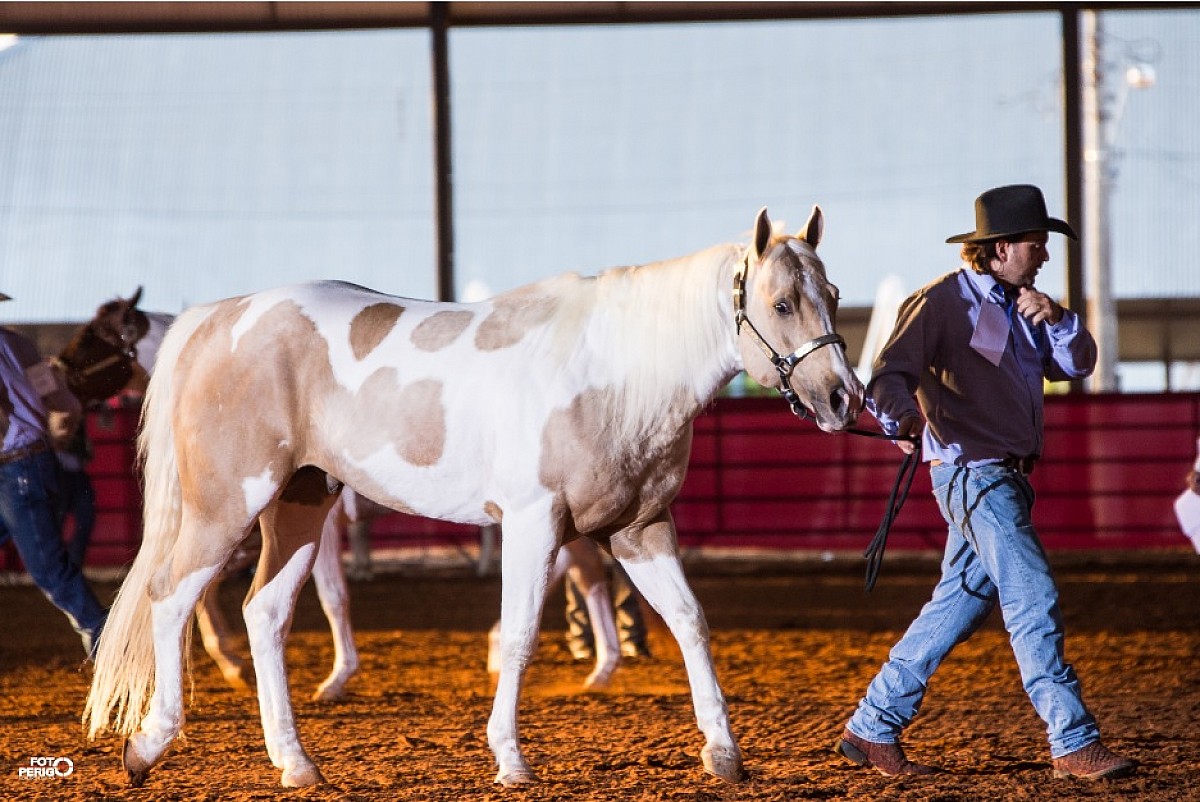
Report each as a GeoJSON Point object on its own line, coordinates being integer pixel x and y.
{"type": "Point", "coordinates": [117, 350]}
{"type": "Point", "coordinates": [560, 410]}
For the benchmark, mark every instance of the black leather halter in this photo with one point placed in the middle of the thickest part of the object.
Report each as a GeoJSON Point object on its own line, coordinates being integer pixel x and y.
{"type": "Point", "coordinates": [784, 365]}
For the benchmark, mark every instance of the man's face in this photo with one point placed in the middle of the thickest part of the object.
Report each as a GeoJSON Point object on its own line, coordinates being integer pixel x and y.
{"type": "Point", "coordinates": [1018, 261]}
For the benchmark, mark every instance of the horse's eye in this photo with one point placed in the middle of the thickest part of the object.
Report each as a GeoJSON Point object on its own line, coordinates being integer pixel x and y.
{"type": "Point", "coordinates": [783, 308]}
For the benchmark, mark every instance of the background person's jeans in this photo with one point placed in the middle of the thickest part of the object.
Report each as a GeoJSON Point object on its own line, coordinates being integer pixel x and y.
{"type": "Point", "coordinates": [28, 515]}
{"type": "Point", "coordinates": [992, 554]}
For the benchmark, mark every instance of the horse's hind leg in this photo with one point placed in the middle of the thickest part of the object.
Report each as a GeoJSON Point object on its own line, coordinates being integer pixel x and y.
{"type": "Point", "coordinates": [291, 533]}
{"type": "Point", "coordinates": [176, 588]}
{"type": "Point", "coordinates": [651, 558]}
{"type": "Point", "coordinates": [335, 601]}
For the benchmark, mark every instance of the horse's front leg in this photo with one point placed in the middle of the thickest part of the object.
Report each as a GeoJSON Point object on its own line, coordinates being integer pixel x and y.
{"type": "Point", "coordinates": [335, 601]}
{"type": "Point", "coordinates": [530, 541]}
{"type": "Point", "coordinates": [651, 558]}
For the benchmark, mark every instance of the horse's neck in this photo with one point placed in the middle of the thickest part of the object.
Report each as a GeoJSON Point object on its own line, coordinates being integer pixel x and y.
{"type": "Point", "coordinates": [664, 335]}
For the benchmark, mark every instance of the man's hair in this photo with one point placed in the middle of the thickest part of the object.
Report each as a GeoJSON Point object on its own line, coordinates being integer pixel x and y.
{"type": "Point", "coordinates": [978, 254]}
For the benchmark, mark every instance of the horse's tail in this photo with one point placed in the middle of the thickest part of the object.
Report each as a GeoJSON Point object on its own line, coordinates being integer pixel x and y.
{"type": "Point", "coordinates": [123, 680]}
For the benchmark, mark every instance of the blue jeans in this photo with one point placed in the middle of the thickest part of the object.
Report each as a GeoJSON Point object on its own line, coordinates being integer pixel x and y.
{"type": "Point", "coordinates": [992, 554]}
{"type": "Point", "coordinates": [28, 515]}
{"type": "Point", "coordinates": [77, 500]}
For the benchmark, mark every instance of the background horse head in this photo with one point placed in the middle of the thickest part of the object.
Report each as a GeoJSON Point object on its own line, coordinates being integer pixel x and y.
{"type": "Point", "coordinates": [100, 359]}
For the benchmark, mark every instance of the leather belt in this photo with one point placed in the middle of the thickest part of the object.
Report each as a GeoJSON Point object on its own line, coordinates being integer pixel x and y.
{"type": "Point", "coordinates": [22, 453]}
{"type": "Point", "coordinates": [1022, 465]}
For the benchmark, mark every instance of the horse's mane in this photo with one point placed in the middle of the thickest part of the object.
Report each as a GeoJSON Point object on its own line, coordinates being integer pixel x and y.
{"type": "Point", "coordinates": [653, 332]}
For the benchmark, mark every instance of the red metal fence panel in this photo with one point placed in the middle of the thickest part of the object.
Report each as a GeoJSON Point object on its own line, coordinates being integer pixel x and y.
{"type": "Point", "coordinates": [760, 478]}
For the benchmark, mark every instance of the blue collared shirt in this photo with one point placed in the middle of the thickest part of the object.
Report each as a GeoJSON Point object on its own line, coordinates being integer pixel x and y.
{"type": "Point", "coordinates": [29, 390]}
{"type": "Point", "coordinates": [975, 412]}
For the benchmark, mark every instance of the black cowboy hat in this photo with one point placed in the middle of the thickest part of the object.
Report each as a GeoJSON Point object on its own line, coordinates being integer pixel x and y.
{"type": "Point", "coordinates": [1015, 209]}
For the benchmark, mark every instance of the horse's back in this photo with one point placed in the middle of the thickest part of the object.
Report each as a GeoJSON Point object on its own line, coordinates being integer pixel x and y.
{"type": "Point", "coordinates": [391, 395]}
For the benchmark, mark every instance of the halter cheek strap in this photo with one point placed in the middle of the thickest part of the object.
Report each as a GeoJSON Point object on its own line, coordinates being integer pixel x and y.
{"type": "Point", "coordinates": [784, 365]}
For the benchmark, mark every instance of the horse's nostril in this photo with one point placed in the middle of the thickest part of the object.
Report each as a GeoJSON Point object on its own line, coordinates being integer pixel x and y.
{"type": "Point", "coordinates": [837, 401]}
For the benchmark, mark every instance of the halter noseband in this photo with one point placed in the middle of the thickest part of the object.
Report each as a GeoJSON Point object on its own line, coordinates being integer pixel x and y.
{"type": "Point", "coordinates": [784, 365]}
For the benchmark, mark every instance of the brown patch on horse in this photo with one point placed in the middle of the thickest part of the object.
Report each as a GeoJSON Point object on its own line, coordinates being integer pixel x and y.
{"type": "Point", "coordinates": [617, 483]}
{"type": "Point", "coordinates": [512, 316]}
{"type": "Point", "coordinates": [282, 363]}
{"type": "Point", "coordinates": [309, 486]}
{"type": "Point", "coordinates": [411, 417]}
{"type": "Point", "coordinates": [440, 329]}
{"type": "Point", "coordinates": [244, 379]}
{"type": "Point", "coordinates": [371, 325]}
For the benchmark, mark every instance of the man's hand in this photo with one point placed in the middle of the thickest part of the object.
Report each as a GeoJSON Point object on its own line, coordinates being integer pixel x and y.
{"type": "Point", "coordinates": [910, 428]}
{"type": "Point", "coordinates": [1036, 306]}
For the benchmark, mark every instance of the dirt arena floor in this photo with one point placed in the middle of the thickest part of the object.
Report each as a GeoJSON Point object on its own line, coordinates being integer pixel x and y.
{"type": "Point", "coordinates": [795, 646]}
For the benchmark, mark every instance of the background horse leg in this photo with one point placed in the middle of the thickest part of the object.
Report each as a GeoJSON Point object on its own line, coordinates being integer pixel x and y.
{"type": "Point", "coordinates": [291, 531]}
{"type": "Point", "coordinates": [530, 538]}
{"type": "Point", "coordinates": [589, 573]}
{"type": "Point", "coordinates": [335, 601]}
{"type": "Point", "coordinates": [651, 559]}
{"type": "Point", "coordinates": [215, 632]}
{"type": "Point", "coordinates": [216, 636]}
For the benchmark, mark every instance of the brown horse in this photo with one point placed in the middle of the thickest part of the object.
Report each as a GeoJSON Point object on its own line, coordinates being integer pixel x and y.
{"type": "Point", "coordinates": [102, 357]}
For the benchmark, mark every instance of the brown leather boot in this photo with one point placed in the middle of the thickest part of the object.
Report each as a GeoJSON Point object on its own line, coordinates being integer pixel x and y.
{"type": "Point", "coordinates": [887, 759]}
{"type": "Point", "coordinates": [1093, 762]}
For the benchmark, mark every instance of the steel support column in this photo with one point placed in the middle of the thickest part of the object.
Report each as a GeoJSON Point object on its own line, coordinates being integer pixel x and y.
{"type": "Point", "coordinates": [439, 27]}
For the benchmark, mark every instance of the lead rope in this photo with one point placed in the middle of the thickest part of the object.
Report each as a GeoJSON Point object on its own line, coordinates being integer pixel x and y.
{"type": "Point", "coordinates": [784, 365]}
{"type": "Point", "coordinates": [896, 499]}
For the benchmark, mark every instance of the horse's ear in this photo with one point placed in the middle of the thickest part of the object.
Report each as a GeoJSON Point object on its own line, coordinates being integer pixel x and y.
{"type": "Point", "coordinates": [762, 233]}
{"type": "Point", "coordinates": [811, 233]}
{"type": "Point", "coordinates": [137, 296]}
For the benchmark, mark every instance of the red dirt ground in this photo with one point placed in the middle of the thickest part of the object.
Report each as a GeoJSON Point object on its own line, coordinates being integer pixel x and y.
{"type": "Point", "coordinates": [795, 647]}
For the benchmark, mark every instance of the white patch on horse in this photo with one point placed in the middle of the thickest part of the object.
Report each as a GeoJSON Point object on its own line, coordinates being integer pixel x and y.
{"type": "Point", "coordinates": [259, 490]}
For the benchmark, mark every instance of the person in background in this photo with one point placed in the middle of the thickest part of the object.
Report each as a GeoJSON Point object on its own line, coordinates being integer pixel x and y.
{"type": "Point", "coordinates": [1187, 505]}
{"type": "Point", "coordinates": [631, 626]}
{"type": "Point", "coordinates": [964, 371]}
{"type": "Point", "coordinates": [76, 497]}
{"type": "Point", "coordinates": [29, 390]}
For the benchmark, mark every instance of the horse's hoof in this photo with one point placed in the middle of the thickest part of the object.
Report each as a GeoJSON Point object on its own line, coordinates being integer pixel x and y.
{"type": "Point", "coordinates": [723, 762]}
{"type": "Point", "coordinates": [329, 693]}
{"type": "Point", "coordinates": [240, 679]}
{"type": "Point", "coordinates": [301, 776]}
{"type": "Point", "coordinates": [597, 680]}
{"type": "Point", "coordinates": [136, 769]}
{"type": "Point", "coordinates": [523, 775]}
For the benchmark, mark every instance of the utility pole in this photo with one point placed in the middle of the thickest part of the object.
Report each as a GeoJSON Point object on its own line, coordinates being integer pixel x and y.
{"type": "Point", "coordinates": [1107, 83]}
{"type": "Point", "coordinates": [1097, 183]}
